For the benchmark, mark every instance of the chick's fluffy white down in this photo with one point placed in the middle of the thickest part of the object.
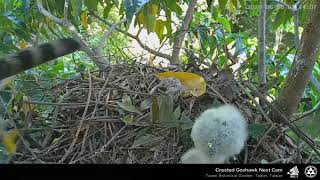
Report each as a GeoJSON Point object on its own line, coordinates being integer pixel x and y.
{"type": "Point", "coordinates": [195, 156]}
{"type": "Point", "coordinates": [220, 133]}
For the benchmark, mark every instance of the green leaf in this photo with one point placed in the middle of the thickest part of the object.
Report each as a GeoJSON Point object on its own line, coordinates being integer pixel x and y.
{"type": "Point", "coordinates": [159, 29]}
{"type": "Point", "coordinates": [146, 104]}
{"type": "Point", "coordinates": [148, 21]}
{"type": "Point", "coordinates": [173, 6]}
{"type": "Point", "coordinates": [4, 156]}
{"type": "Point", "coordinates": [9, 141]}
{"type": "Point", "coordinates": [168, 117]}
{"type": "Point", "coordinates": [126, 99]}
{"type": "Point", "coordinates": [76, 7]}
{"type": "Point", "coordinates": [58, 67]}
{"type": "Point", "coordinates": [143, 131]}
{"type": "Point", "coordinates": [107, 9]}
{"type": "Point", "coordinates": [202, 35]}
{"type": "Point", "coordinates": [214, 12]}
{"type": "Point", "coordinates": [25, 5]}
{"type": "Point", "coordinates": [115, 2]}
{"type": "Point", "coordinates": [185, 123]}
{"type": "Point", "coordinates": [225, 23]}
{"type": "Point", "coordinates": [222, 5]}
{"type": "Point", "coordinates": [127, 105]}
{"type": "Point", "coordinates": [155, 110]}
{"type": "Point", "coordinates": [213, 42]}
{"type": "Point", "coordinates": [209, 2]}
{"type": "Point", "coordinates": [239, 46]}
{"type": "Point", "coordinates": [243, 4]}
{"type": "Point", "coordinates": [168, 124]}
{"type": "Point", "coordinates": [132, 7]}
{"type": "Point", "coordinates": [91, 4]}
{"type": "Point", "coordinates": [150, 12]}
{"type": "Point", "coordinates": [282, 17]}
{"type": "Point", "coordinates": [177, 113]}
{"type": "Point", "coordinates": [145, 139]}
{"type": "Point", "coordinates": [128, 120]}
{"type": "Point", "coordinates": [222, 61]}
{"type": "Point", "coordinates": [165, 107]}
{"type": "Point", "coordinates": [214, 104]}
{"type": "Point", "coordinates": [234, 2]}
{"type": "Point", "coordinates": [168, 22]}
{"type": "Point", "coordinates": [121, 111]}
{"type": "Point", "coordinates": [256, 131]}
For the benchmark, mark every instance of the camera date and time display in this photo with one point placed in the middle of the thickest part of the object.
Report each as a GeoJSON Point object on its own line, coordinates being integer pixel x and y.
{"type": "Point", "coordinates": [247, 172]}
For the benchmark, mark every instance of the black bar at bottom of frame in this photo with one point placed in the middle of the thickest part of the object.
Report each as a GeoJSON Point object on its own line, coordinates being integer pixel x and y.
{"type": "Point", "coordinates": [138, 171]}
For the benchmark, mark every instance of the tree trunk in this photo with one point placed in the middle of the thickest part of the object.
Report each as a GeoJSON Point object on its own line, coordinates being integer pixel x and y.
{"type": "Point", "coordinates": [262, 48]}
{"type": "Point", "coordinates": [302, 66]}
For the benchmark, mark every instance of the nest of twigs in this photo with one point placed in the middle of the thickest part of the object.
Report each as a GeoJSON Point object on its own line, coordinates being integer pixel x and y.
{"type": "Point", "coordinates": [87, 125]}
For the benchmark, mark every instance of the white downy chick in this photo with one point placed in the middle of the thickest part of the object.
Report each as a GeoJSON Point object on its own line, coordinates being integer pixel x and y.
{"type": "Point", "coordinates": [195, 156]}
{"type": "Point", "coordinates": [219, 133]}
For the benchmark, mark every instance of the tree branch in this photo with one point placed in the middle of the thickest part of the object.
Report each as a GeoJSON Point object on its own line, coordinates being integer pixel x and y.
{"type": "Point", "coordinates": [47, 13]}
{"type": "Point", "coordinates": [107, 33]}
{"type": "Point", "coordinates": [178, 40]}
{"type": "Point", "coordinates": [286, 120]}
{"type": "Point", "coordinates": [66, 6]}
{"type": "Point", "coordinates": [302, 66]}
{"type": "Point", "coordinates": [262, 47]}
{"type": "Point", "coordinates": [98, 59]}
{"type": "Point", "coordinates": [135, 37]}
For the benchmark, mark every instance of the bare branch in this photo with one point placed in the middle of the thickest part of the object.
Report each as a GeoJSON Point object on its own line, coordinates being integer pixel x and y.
{"type": "Point", "coordinates": [178, 40]}
{"type": "Point", "coordinates": [298, 3]}
{"type": "Point", "coordinates": [262, 46]}
{"type": "Point", "coordinates": [107, 33]}
{"type": "Point", "coordinates": [98, 59]}
{"type": "Point", "coordinates": [286, 120]}
{"type": "Point", "coordinates": [66, 6]}
{"type": "Point", "coordinates": [48, 14]}
{"type": "Point", "coordinates": [156, 53]}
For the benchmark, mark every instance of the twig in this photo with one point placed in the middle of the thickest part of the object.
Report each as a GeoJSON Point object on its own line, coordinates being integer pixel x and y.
{"type": "Point", "coordinates": [29, 149]}
{"type": "Point", "coordinates": [185, 24]}
{"type": "Point", "coordinates": [255, 102]}
{"type": "Point", "coordinates": [49, 15]}
{"type": "Point", "coordinates": [80, 123]}
{"type": "Point", "coordinates": [260, 141]}
{"type": "Point", "coordinates": [83, 141]}
{"type": "Point", "coordinates": [284, 119]}
{"type": "Point", "coordinates": [102, 148]}
{"type": "Point", "coordinates": [150, 50]}
{"type": "Point", "coordinates": [98, 59]}
{"type": "Point", "coordinates": [307, 113]}
{"type": "Point", "coordinates": [55, 116]}
{"type": "Point", "coordinates": [218, 94]}
{"type": "Point", "coordinates": [66, 6]}
{"type": "Point", "coordinates": [107, 33]}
